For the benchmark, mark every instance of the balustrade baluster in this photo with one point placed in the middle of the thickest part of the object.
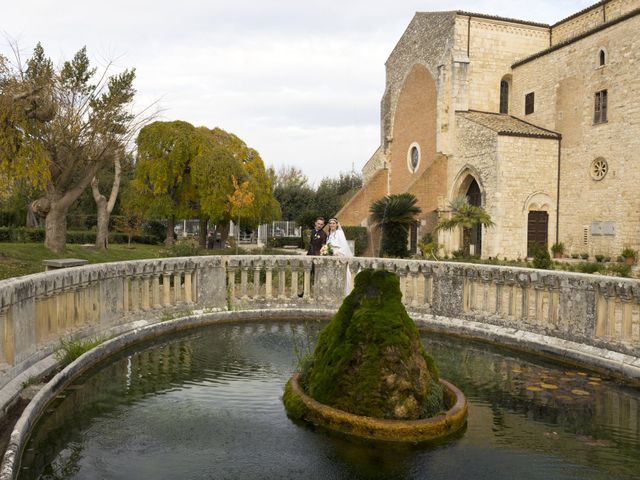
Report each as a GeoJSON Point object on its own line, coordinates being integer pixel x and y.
{"type": "Point", "coordinates": [282, 278]}
{"type": "Point", "coordinates": [166, 288]}
{"type": "Point", "coordinates": [601, 315]}
{"type": "Point", "coordinates": [177, 287]}
{"type": "Point", "coordinates": [231, 279]}
{"type": "Point", "coordinates": [6, 329]}
{"type": "Point", "coordinates": [257, 267]}
{"type": "Point", "coordinates": [243, 280]}
{"type": "Point", "coordinates": [188, 286]}
{"type": "Point", "coordinates": [610, 330]}
{"type": "Point", "coordinates": [155, 291]}
{"type": "Point", "coordinates": [295, 266]}
{"type": "Point", "coordinates": [307, 279]}
{"type": "Point", "coordinates": [627, 320]}
{"type": "Point", "coordinates": [268, 279]}
{"type": "Point", "coordinates": [126, 288]}
{"type": "Point", "coordinates": [135, 294]}
{"type": "Point", "coordinates": [146, 291]}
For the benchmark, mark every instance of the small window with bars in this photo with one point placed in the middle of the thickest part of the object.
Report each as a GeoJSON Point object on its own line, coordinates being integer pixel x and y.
{"type": "Point", "coordinates": [528, 103]}
{"type": "Point", "coordinates": [600, 109]}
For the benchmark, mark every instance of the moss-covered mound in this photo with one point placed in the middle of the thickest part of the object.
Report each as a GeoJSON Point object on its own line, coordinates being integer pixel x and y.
{"type": "Point", "coordinates": [369, 359]}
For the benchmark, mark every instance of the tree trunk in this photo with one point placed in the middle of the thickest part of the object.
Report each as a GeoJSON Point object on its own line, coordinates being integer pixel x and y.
{"type": "Point", "coordinates": [168, 241]}
{"type": "Point", "coordinates": [55, 227]}
{"type": "Point", "coordinates": [202, 235]}
{"type": "Point", "coordinates": [104, 207]}
{"type": "Point", "coordinates": [224, 233]}
{"type": "Point", "coordinates": [102, 225]}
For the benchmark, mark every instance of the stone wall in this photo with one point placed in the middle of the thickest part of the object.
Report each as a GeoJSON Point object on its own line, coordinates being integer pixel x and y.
{"type": "Point", "coordinates": [590, 18]}
{"type": "Point", "coordinates": [493, 46]}
{"type": "Point", "coordinates": [564, 83]}
{"type": "Point", "coordinates": [414, 126]}
{"type": "Point", "coordinates": [104, 300]}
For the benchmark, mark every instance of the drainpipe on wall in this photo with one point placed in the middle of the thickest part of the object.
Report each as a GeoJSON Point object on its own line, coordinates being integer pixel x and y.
{"type": "Point", "coordinates": [558, 195]}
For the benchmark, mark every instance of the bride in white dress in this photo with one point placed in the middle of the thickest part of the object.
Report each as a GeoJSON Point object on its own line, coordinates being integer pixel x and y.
{"type": "Point", "coordinates": [340, 247]}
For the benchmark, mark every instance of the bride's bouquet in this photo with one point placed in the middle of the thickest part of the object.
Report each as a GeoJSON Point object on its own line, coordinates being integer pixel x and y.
{"type": "Point", "coordinates": [326, 250]}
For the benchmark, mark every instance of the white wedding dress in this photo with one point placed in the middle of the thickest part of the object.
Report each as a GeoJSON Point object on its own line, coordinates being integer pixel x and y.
{"type": "Point", "coordinates": [341, 248]}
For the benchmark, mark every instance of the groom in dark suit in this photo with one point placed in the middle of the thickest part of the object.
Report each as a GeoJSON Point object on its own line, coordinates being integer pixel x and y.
{"type": "Point", "coordinates": [318, 237]}
{"type": "Point", "coordinates": [316, 241]}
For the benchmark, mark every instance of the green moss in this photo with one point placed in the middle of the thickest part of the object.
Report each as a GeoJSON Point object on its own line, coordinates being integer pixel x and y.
{"type": "Point", "coordinates": [371, 352]}
{"type": "Point", "coordinates": [293, 404]}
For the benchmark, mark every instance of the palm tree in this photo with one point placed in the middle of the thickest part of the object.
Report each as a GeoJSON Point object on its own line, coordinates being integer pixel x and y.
{"type": "Point", "coordinates": [465, 215]}
{"type": "Point", "coordinates": [395, 214]}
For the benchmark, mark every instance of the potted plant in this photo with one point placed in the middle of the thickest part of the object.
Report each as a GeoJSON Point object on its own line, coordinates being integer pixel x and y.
{"type": "Point", "coordinates": [629, 255]}
{"type": "Point", "coordinates": [557, 249]}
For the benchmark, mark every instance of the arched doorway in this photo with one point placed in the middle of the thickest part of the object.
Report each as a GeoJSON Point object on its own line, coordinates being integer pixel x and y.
{"type": "Point", "coordinates": [472, 237]}
{"type": "Point", "coordinates": [537, 230]}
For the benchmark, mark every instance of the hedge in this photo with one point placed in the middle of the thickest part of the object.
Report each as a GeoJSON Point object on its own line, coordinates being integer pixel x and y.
{"type": "Point", "coordinates": [36, 235]}
{"type": "Point", "coordinates": [279, 242]}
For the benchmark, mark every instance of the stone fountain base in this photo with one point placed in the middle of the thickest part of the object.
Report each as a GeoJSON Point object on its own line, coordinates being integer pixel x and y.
{"type": "Point", "coordinates": [300, 406]}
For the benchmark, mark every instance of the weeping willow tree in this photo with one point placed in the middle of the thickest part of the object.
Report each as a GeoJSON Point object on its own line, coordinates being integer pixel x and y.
{"type": "Point", "coordinates": [395, 214]}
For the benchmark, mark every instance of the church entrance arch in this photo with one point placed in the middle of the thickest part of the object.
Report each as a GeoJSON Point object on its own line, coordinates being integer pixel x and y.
{"type": "Point", "coordinates": [472, 237]}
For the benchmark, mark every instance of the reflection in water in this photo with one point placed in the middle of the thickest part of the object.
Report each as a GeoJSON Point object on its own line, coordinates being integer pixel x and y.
{"type": "Point", "coordinates": [207, 404]}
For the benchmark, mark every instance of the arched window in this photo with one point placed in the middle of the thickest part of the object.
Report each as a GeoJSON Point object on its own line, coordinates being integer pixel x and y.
{"type": "Point", "coordinates": [504, 96]}
{"type": "Point", "coordinates": [602, 57]}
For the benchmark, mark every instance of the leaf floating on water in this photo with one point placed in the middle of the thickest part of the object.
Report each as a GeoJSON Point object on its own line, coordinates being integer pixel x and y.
{"type": "Point", "coordinates": [548, 386]}
{"type": "Point", "coordinates": [595, 379]}
{"type": "Point", "coordinates": [580, 393]}
{"type": "Point", "coordinates": [516, 370]}
{"type": "Point", "coordinates": [582, 374]}
{"type": "Point", "coordinates": [564, 398]}
{"type": "Point", "coordinates": [597, 384]}
{"type": "Point", "coordinates": [533, 388]}
{"type": "Point", "coordinates": [570, 374]}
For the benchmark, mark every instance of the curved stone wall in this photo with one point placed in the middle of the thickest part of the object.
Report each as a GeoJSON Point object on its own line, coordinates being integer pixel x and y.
{"type": "Point", "coordinates": [586, 311]}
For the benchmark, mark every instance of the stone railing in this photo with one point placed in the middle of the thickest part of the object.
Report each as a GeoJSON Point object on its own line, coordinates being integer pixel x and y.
{"type": "Point", "coordinates": [36, 311]}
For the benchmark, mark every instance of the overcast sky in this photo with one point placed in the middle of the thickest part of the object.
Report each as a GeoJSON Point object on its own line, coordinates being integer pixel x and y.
{"type": "Point", "coordinates": [299, 81]}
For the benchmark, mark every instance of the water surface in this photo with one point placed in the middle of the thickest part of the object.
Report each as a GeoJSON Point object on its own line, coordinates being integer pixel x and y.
{"type": "Point", "coordinates": [207, 405]}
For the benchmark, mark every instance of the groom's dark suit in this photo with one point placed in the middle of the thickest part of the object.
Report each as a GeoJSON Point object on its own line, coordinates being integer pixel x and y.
{"type": "Point", "coordinates": [317, 240]}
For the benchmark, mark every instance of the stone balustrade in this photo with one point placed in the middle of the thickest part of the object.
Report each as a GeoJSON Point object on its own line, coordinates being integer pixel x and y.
{"type": "Point", "coordinates": [36, 311]}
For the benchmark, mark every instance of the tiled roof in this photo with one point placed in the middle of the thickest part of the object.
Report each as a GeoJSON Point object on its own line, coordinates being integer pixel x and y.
{"type": "Point", "coordinates": [507, 125]}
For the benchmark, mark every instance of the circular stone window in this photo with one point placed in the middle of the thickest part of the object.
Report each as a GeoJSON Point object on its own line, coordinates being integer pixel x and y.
{"type": "Point", "coordinates": [599, 168]}
{"type": "Point", "coordinates": [413, 157]}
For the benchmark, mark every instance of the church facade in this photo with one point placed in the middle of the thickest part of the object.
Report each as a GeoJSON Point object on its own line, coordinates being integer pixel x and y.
{"type": "Point", "coordinates": [538, 124]}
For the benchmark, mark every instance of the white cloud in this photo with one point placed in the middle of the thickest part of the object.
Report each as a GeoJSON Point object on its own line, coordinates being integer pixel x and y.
{"type": "Point", "coordinates": [299, 81]}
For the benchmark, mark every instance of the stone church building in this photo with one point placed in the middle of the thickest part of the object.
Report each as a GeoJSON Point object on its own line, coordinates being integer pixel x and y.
{"type": "Point", "coordinates": [538, 124]}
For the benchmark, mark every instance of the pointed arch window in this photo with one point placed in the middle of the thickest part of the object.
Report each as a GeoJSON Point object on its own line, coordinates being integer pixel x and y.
{"type": "Point", "coordinates": [602, 58]}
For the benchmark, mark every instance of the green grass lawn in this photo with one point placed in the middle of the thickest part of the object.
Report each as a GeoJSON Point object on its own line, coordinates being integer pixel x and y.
{"type": "Point", "coordinates": [24, 258]}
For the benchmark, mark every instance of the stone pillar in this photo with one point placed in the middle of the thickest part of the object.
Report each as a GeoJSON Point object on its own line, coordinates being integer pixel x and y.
{"type": "Point", "coordinates": [282, 277]}
{"type": "Point", "coordinates": [146, 290]}
{"type": "Point", "coordinates": [188, 286]}
{"type": "Point", "coordinates": [244, 274]}
{"type": "Point", "coordinates": [155, 291]}
{"type": "Point", "coordinates": [268, 279]}
{"type": "Point", "coordinates": [135, 294]}
{"type": "Point", "coordinates": [166, 288]}
{"type": "Point", "coordinates": [125, 295]}
{"type": "Point", "coordinates": [177, 287]}
{"type": "Point", "coordinates": [257, 267]}
{"type": "Point", "coordinates": [6, 330]}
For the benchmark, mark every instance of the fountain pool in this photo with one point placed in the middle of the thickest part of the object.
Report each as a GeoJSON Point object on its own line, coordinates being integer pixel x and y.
{"type": "Point", "coordinates": [207, 404]}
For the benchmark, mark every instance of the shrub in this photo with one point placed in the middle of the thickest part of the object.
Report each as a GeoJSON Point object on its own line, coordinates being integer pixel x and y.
{"type": "Point", "coordinates": [185, 247]}
{"type": "Point", "coordinates": [360, 236]}
{"type": "Point", "coordinates": [584, 256]}
{"type": "Point", "coordinates": [541, 257]}
{"type": "Point", "coordinates": [599, 258]}
{"type": "Point", "coordinates": [279, 242]}
{"type": "Point", "coordinates": [558, 248]}
{"type": "Point", "coordinates": [619, 270]}
{"type": "Point", "coordinates": [628, 252]}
